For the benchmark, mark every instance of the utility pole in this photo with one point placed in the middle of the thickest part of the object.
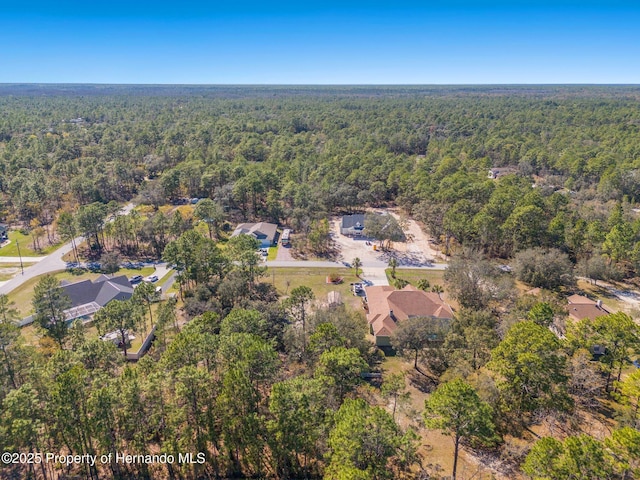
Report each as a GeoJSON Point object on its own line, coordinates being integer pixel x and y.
{"type": "Point", "coordinates": [20, 255]}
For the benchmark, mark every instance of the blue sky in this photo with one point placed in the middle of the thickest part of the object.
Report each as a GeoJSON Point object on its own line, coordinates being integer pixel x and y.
{"type": "Point", "coordinates": [306, 42]}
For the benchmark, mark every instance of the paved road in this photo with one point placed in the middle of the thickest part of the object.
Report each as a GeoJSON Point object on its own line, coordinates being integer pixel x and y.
{"type": "Point", "coordinates": [54, 262]}
{"type": "Point", "coordinates": [48, 264]}
{"type": "Point", "coordinates": [369, 264]}
{"type": "Point", "coordinates": [170, 281]}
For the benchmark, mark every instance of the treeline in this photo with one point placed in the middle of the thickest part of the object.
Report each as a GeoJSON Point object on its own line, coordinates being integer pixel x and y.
{"type": "Point", "coordinates": [270, 387]}
{"type": "Point", "coordinates": [263, 387]}
{"type": "Point", "coordinates": [297, 158]}
{"type": "Point", "coordinates": [528, 373]}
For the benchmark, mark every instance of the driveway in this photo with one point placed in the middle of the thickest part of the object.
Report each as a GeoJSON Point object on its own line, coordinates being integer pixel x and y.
{"type": "Point", "coordinates": [284, 254]}
{"type": "Point", "coordinates": [374, 276]}
{"type": "Point", "coordinates": [416, 252]}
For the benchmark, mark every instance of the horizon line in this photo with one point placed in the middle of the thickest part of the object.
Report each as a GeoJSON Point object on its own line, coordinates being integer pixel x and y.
{"type": "Point", "coordinates": [551, 84]}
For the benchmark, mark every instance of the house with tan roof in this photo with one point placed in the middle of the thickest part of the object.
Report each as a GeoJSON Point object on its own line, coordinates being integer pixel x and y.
{"type": "Point", "coordinates": [388, 306]}
{"type": "Point", "coordinates": [581, 307]}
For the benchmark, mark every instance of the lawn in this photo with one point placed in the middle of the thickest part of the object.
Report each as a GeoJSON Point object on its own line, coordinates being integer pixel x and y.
{"type": "Point", "coordinates": [9, 270]}
{"type": "Point", "coordinates": [26, 242]}
{"type": "Point", "coordinates": [286, 279]}
{"type": "Point", "coordinates": [23, 295]}
{"type": "Point", "coordinates": [609, 300]}
{"type": "Point", "coordinates": [273, 253]}
{"type": "Point", "coordinates": [32, 334]}
{"type": "Point", "coordinates": [413, 275]}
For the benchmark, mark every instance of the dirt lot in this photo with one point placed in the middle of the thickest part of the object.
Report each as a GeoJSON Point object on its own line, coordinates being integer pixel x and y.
{"type": "Point", "coordinates": [415, 252]}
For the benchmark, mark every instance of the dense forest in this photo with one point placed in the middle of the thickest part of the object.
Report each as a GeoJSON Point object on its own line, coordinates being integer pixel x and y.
{"type": "Point", "coordinates": [296, 158]}
{"type": "Point", "coordinates": [266, 386]}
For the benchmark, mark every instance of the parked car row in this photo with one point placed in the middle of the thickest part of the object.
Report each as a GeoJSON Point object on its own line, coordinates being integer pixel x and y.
{"type": "Point", "coordinates": [186, 201]}
{"type": "Point", "coordinates": [95, 266]}
{"type": "Point", "coordinates": [139, 278]}
{"type": "Point", "coordinates": [132, 265]}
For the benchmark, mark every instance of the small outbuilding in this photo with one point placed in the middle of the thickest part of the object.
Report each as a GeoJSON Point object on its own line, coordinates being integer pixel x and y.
{"type": "Point", "coordinates": [334, 299]}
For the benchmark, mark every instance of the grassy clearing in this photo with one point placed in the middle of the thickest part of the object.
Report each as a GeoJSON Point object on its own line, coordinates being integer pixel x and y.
{"type": "Point", "coordinates": [413, 275]}
{"type": "Point", "coordinates": [286, 279]}
{"type": "Point", "coordinates": [136, 343]}
{"type": "Point", "coordinates": [9, 270]}
{"type": "Point", "coordinates": [435, 448]}
{"type": "Point", "coordinates": [23, 295]}
{"type": "Point", "coordinates": [273, 253]}
{"type": "Point", "coordinates": [26, 242]}
{"type": "Point", "coordinates": [27, 262]}
{"type": "Point", "coordinates": [608, 299]}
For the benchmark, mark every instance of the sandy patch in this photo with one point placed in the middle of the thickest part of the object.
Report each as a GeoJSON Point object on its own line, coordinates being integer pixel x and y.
{"type": "Point", "coordinates": [416, 251]}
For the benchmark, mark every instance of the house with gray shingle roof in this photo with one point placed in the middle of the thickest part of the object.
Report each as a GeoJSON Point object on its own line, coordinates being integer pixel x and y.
{"type": "Point", "coordinates": [263, 231]}
{"type": "Point", "coordinates": [87, 297]}
{"type": "Point", "coordinates": [352, 225]}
